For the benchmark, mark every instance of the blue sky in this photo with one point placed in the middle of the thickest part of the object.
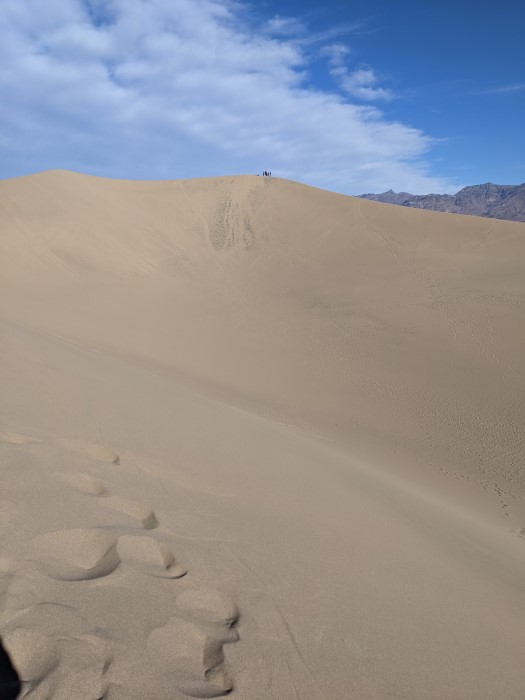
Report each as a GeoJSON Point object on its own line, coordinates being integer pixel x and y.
{"type": "Point", "coordinates": [353, 96]}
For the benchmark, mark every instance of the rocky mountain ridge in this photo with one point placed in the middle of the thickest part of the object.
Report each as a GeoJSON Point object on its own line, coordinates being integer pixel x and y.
{"type": "Point", "coordinates": [489, 200]}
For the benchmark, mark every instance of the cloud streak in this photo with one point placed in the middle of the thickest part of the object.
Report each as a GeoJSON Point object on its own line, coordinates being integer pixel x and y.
{"type": "Point", "coordinates": [502, 89]}
{"type": "Point", "coordinates": [189, 88]}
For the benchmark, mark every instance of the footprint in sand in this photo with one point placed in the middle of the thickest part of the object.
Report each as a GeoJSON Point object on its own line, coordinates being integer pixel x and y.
{"type": "Point", "coordinates": [139, 513]}
{"type": "Point", "coordinates": [77, 554]}
{"type": "Point", "coordinates": [211, 610]}
{"type": "Point", "coordinates": [193, 660]}
{"type": "Point", "coordinates": [149, 556]}
{"type": "Point", "coordinates": [86, 659]}
{"type": "Point", "coordinates": [91, 449]}
{"type": "Point", "coordinates": [33, 655]}
{"type": "Point", "coordinates": [190, 646]}
{"type": "Point", "coordinates": [85, 483]}
{"type": "Point", "coordinates": [187, 652]}
{"type": "Point", "coordinates": [68, 664]}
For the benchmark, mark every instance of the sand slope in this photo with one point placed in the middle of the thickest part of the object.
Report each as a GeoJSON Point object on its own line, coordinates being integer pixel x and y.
{"type": "Point", "coordinates": [258, 436]}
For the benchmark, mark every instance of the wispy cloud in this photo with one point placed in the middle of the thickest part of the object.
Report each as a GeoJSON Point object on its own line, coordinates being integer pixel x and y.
{"type": "Point", "coordinates": [501, 90]}
{"type": "Point", "coordinates": [329, 34]}
{"type": "Point", "coordinates": [361, 83]}
{"type": "Point", "coordinates": [188, 88]}
{"type": "Point", "coordinates": [284, 26]}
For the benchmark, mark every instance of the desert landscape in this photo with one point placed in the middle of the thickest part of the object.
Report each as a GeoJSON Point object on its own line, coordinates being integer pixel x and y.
{"type": "Point", "coordinates": [258, 438]}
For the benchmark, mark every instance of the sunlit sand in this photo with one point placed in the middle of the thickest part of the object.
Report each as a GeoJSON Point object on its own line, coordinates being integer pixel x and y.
{"type": "Point", "coordinates": [258, 438]}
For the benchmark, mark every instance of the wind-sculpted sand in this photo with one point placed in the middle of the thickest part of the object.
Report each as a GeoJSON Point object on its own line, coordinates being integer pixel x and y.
{"type": "Point", "coordinates": [257, 439]}
{"type": "Point", "coordinates": [91, 449]}
{"type": "Point", "coordinates": [78, 554]}
{"type": "Point", "coordinates": [85, 483]}
{"type": "Point", "coordinates": [149, 556]}
{"type": "Point", "coordinates": [45, 623]}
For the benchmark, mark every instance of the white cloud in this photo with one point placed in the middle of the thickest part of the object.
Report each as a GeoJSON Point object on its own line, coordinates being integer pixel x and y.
{"type": "Point", "coordinates": [185, 88]}
{"type": "Point", "coordinates": [284, 26]}
{"type": "Point", "coordinates": [360, 83]}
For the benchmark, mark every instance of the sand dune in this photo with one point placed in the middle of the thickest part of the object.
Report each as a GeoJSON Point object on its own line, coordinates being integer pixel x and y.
{"type": "Point", "coordinates": [258, 438]}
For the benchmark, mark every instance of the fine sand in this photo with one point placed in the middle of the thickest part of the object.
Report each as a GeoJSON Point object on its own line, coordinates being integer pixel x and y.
{"type": "Point", "coordinates": [261, 439]}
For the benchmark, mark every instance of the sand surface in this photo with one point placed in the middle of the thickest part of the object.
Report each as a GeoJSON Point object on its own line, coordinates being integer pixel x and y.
{"type": "Point", "coordinates": [261, 439]}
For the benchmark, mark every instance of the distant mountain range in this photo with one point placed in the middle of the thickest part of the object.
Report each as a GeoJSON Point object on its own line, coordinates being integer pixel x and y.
{"type": "Point", "coordinates": [492, 201]}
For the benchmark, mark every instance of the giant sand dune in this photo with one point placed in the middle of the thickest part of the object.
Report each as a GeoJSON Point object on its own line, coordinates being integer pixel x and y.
{"type": "Point", "coordinates": [261, 439]}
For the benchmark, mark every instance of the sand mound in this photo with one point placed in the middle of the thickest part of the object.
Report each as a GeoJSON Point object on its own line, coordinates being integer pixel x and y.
{"type": "Point", "coordinates": [314, 402]}
{"type": "Point", "coordinates": [149, 556]}
{"type": "Point", "coordinates": [78, 554]}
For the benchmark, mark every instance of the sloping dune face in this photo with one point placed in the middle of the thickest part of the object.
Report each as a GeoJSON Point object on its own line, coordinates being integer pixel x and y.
{"type": "Point", "coordinates": [398, 329]}
{"type": "Point", "coordinates": [257, 438]}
